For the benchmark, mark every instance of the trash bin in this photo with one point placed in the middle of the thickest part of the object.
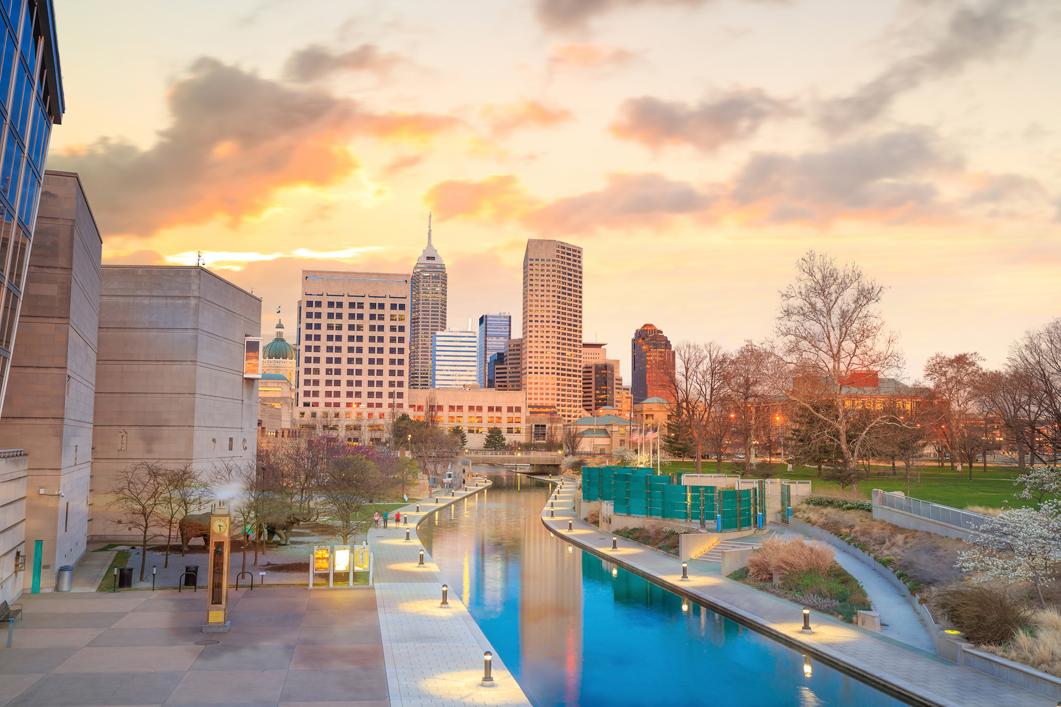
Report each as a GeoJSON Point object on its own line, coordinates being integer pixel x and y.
{"type": "Point", "coordinates": [125, 577]}
{"type": "Point", "coordinates": [191, 575]}
{"type": "Point", "coordinates": [64, 581]}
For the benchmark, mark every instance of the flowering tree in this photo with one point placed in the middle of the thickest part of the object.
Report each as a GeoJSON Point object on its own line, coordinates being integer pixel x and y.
{"type": "Point", "coordinates": [1040, 483]}
{"type": "Point", "coordinates": [1020, 544]}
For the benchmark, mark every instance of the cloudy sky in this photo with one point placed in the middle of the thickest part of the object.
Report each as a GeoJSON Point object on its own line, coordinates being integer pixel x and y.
{"type": "Point", "coordinates": [693, 148]}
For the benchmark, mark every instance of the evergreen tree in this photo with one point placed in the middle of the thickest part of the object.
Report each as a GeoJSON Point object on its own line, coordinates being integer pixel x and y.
{"type": "Point", "coordinates": [460, 434]}
{"type": "Point", "coordinates": [679, 440]}
{"type": "Point", "coordinates": [495, 440]}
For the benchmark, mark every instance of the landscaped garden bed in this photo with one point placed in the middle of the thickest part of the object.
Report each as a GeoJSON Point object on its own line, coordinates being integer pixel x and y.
{"type": "Point", "coordinates": [665, 539]}
{"type": "Point", "coordinates": [807, 573]}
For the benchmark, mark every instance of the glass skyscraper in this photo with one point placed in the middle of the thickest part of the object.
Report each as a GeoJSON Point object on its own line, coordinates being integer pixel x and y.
{"type": "Point", "coordinates": [453, 359]}
{"type": "Point", "coordinates": [31, 100]}
{"type": "Point", "coordinates": [427, 311]}
{"type": "Point", "coordinates": [494, 333]}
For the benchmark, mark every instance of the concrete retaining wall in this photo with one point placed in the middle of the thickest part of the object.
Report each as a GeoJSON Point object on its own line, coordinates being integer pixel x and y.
{"type": "Point", "coordinates": [693, 545]}
{"type": "Point", "coordinates": [1011, 672]}
{"type": "Point", "coordinates": [733, 560]}
{"type": "Point", "coordinates": [913, 522]}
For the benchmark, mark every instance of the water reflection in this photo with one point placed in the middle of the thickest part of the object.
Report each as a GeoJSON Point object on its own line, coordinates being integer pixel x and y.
{"type": "Point", "coordinates": [575, 629]}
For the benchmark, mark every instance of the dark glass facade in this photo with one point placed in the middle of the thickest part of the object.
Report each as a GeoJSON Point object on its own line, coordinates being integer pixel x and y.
{"type": "Point", "coordinates": [31, 101]}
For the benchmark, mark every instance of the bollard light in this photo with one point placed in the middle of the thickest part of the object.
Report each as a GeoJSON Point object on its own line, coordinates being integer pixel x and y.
{"type": "Point", "coordinates": [406, 535]}
{"type": "Point", "coordinates": [488, 669]}
{"type": "Point", "coordinates": [808, 669]}
{"type": "Point", "coordinates": [114, 587]}
{"type": "Point", "coordinates": [552, 513]}
{"type": "Point", "coordinates": [615, 543]}
{"type": "Point", "coordinates": [154, 576]}
{"type": "Point", "coordinates": [806, 622]}
{"type": "Point", "coordinates": [685, 571]}
{"type": "Point", "coordinates": [261, 578]}
{"type": "Point", "coordinates": [445, 596]}
{"type": "Point", "coordinates": [436, 499]}
{"type": "Point", "coordinates": [570, 525]}
{"type": "Point", "coordinates": [405, 519]}
{"type": "Point", "coordinates": [421, 562]}
{"type": "Point", "coordinates": [418, 508]}
{"type": "Point", "coordinates": [550, 504]}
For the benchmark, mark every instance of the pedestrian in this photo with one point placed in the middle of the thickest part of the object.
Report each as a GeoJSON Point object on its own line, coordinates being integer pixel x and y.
{"type": "Point", "coordinates": [375, 518]}
{"type": "Point", "coordinates": [385, 514]}
{"type": "Point", "coordinates": [397, 517]}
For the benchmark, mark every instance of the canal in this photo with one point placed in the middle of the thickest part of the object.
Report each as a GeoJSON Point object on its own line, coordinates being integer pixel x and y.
{"type": "Point", "coordinates": [575, 630]}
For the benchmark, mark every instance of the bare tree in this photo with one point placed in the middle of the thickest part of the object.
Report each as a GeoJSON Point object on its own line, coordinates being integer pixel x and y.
{"type": "Point", "coordinates": [956, 384]}
{"type": "Point", "coordinates": [830, 329]}
{"type": "Point", "coordinates": [748, 382]}
{"type": "Point", "coordinates": [138, 496]}
{"type": "Point", "coordinates": [182, 491]}
{"type": "Point", "coordinates": [348, 484]}
{"type": "Point", "coordinates": [1037, 358]}
{"type": "Point", "coordinates": [698, 388]}
{"type": "Point", "coordinates": [434, 449]}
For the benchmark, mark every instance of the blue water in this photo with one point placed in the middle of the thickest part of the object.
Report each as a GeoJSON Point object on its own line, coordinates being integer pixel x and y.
{"type": "Point", "coordinates": [574, 633]}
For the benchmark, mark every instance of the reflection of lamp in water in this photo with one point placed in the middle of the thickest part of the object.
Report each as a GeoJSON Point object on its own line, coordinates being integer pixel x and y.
{"type": "Point", "coordinates": [685, 605]}
{"type": "Point", "coordinates": [615, 571]}
{"type": "Point", "coordinates": [806, 622]}
{"type": "Point", "coordinates": [808, 670]}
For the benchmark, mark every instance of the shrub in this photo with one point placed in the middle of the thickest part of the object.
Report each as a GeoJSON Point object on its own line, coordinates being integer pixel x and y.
{"type": "Point", "coordinates": [842, 504]}
{"type": "Point", "coordinates": [777, 559]}
{"type": "Point", "coordinates": [986, 615]}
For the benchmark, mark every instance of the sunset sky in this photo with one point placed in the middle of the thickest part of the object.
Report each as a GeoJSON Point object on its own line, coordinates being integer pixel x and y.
{"type": "Point", "coordinates": [693, 148]}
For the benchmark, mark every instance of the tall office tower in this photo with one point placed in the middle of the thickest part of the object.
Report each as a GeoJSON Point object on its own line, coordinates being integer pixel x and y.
{"type": "Point", "coordinates": [494, 332]}
{"type": "Point", "coordinates": [427, 302]}
{"type": "Point", "coordinates": [49, 410]}
{"type": "Point", "coordinates": [353, 344]}
{"type": "Point", "coordinates": [507, 366]}
{"type": "Point", "coordinates": [651, 364]}
{"type": "Point", "coordinates": [551, 369]}
{"type": "Point", "coordinates": [31, 101]}
{"type": "Point", "coordinates": [600, 378]}
{"type": "Point", "coordinates": [453, 359]}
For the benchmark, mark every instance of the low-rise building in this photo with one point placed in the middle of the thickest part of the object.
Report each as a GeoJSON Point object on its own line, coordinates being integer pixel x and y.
{"type": "Point", "coordinates": [473, 409]}
{"type": "Point", "coordinates": [603, 434]}
{"type": "Point", "coordinates": [170, 378]}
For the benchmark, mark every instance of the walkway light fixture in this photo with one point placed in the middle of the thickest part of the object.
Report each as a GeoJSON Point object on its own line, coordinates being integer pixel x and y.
{"type": "Point", "coordinates": [615, 543]}
{"type": "Point", "coordinates": [154, 576]}
{"type": "Point", "coordinates": [421, 562]}
{"type": "Point", "coordinates": [436, 499]}
{"type": "Point", "coordinates": [808, 669]}
{"type": "Point", "coordinates": [552, 513]}
{"type": "Point", "coordinates": [806, 622]}
{"type": "Point", "coordinates": [488, 669]}
{"type": "Point", "coordinates": [445, 596]}
{"type": "Point", "coordinates": [406, 535]}
{"type": "Point", "coordinates": [418, 508]}
{"type": "Point", "coordinates": [570, 525]}
{"type": "Point", "coordinates": [685, 571]}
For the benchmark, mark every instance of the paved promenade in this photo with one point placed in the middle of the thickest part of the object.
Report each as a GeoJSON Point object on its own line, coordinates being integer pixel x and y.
{"type": "Point", "coordinates": [434, 655]}
{"type": "Point", "coordinates": [914, 671]}
{"type": "Point", "coordinates": [287, 646]}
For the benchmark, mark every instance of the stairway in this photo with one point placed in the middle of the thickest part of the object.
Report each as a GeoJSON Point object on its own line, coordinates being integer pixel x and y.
{"type": "Point", "coordinates": [715, 553]}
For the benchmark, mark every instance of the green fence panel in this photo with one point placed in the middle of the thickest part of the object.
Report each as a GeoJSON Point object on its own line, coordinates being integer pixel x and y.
{"type": "Point", "coordinates": [621, 495]}
{"type": "Point", "coordinates": [638, 495]}
{"type": "Point", "coordinates": [656, 486]}
{"type": "Point", "coordinates": [745, 506]}
{"type": "Point", "coordinates": [591, 480]}
{"type": "Point", "coordinates": [676, 502]}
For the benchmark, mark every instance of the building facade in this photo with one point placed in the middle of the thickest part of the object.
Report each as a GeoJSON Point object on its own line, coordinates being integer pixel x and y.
{"type": "Point", "coordinates": [551, 366]}
{"type": "Point", "coordinates": [427, 302]}
{"type": "Point", "coordinates": [601, 380]}
{"type": "Point", "coordinates": [473, 409]}
{"type": "Point", "coordinates": [276, 406]}
{"type": "Point", "coordinates": [31, 101]}
{"type": "Point", "coordinates": [50, 398]}
{"type": "Point", "coordinates": [170, 381]}
{"type": "Point", "coordinates": [353, 344]}
{"type": "Point", "coordinates": [454, 359]}
{"type": "Point", "coordinates": [507, 367]}
{"type": "Point", "coordinates": [494, 332]}
{"type": "Point", "coordinates": [651, 364]}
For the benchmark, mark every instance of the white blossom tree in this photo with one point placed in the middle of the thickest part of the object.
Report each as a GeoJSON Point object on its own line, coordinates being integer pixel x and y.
{"type": "Point", "coordinates": [1040, 483]}
{"type": "Point", "coordinates": [1020, 544]}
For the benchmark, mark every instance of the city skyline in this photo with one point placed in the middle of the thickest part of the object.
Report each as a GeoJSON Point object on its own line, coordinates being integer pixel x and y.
{"type": "Point", "coordinates": [936, 186]}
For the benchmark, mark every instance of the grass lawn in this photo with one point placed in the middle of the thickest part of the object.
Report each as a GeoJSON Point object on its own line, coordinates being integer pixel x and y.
{"type": "Point", "coordinates": [121, 559]}
{"type": "Point", "coordinates": [991, 487]}
{"type": "Point", "coordinates": [368, 509]}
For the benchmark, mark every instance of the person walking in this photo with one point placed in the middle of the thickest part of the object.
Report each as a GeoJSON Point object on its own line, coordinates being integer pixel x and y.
{"type": "Point", "coordinates": [385, 514]}
{"type": "Point", "coordinates": [375, 518]}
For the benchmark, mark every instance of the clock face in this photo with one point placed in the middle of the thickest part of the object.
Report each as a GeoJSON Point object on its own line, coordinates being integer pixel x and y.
{"type": "Point", "coordinates": [220, 526]}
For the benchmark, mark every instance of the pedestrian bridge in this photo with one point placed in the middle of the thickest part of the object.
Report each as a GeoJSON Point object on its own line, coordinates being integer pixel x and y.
{"type": "Point", "coordinates": [486, 456]}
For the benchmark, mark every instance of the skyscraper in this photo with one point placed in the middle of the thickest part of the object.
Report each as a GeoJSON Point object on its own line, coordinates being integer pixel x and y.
{"type": "Point", "coordinates": [453, 359]}
{"type": "Point", "coordinates": [600, 378]}
{"type": "Point", "coordinates": [427, 302]}
{"type": "Point", "coordinates": [494, 332]}
{"type": "Point", "coordinates": [651, 364]}
{"type": "Point", "coordinates": [507, 366]}
{"type": "Point", "coordinates": [352, 346]}
{"type": "Point", "coordinates": [551, 368]}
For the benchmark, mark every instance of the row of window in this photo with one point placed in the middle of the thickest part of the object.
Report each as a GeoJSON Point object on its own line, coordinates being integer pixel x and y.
{"type": "Point", "coordinates": [338, 304]}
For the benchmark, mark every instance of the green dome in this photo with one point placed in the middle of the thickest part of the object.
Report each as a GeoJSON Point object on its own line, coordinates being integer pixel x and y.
{"type": "Point", "coordinates": [278, 347]}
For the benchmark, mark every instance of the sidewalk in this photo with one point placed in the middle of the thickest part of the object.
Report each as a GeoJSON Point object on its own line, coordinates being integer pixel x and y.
{"type": "Point", "coordinates": [91, 569]}
{"type": "Point", "coordinates": [874, 657]}
{"type": "Point", "coordinates": [433, 655]}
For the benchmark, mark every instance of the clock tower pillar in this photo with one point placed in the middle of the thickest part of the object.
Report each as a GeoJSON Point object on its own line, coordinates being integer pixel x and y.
{"type": "Point", "coordinates": [218, 570]}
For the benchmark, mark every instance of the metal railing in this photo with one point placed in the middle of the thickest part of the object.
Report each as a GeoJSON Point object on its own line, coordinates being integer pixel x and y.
{"type": "Point", "coordinates": [965, 520]}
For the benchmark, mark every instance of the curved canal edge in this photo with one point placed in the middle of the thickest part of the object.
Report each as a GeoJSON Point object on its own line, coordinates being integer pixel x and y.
{"type": "Point", "coordinates": [905, 672]}
{"type": "Point", "coordinates": [433, 654]}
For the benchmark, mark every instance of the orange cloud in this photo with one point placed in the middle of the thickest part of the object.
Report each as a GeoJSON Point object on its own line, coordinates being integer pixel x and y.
{"type": "Point", "coordinates": [233, 141]}
{"type": "Point", "coordinates": [507, 118]}
{"type": "Point", "coordinates": [582, 56]}
{"type": "Point", "coordinates": [498, 198]}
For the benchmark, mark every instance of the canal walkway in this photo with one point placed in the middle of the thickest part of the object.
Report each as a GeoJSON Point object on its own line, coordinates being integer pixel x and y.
{"type": "Point", "coordinates": [433, 654]}
{"type": "Point", "coordinates": [875, 658]}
